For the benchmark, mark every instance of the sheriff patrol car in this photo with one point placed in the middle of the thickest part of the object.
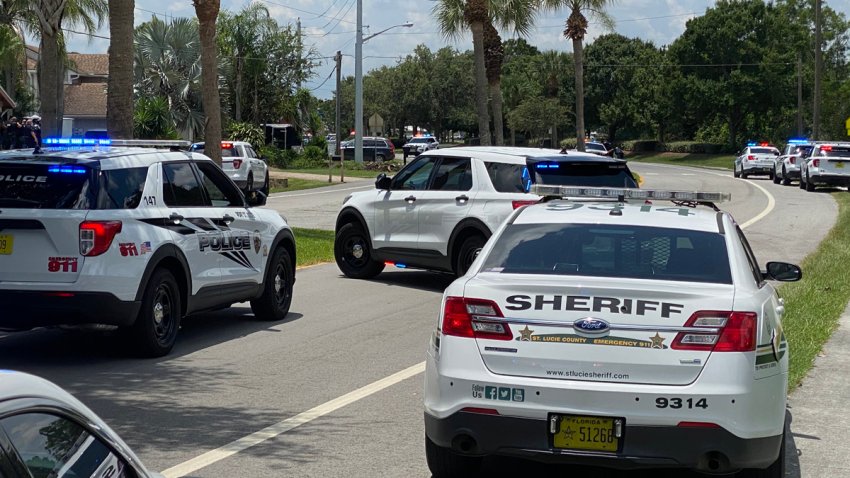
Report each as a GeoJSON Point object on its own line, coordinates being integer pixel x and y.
{"type": "Point", "coordinates": [828, 165]}
{"type": "Point", "coordinates": [756, 158]}
{"type": "Point", "coordinates": [133, 237]}
{"type": "Point", "coordinates": [789, 164]}
{"type": "Point", "coordinates": [615, 329]}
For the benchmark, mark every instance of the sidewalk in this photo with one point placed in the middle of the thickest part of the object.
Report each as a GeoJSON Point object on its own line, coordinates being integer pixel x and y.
{"type": "Point", "coordinates": [820, 412]}
{"type": "Point", "coordinates": [281, 174]}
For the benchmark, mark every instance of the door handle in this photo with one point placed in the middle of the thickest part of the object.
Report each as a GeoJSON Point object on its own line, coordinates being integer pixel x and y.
{"type": "Point", "coordinates": [227, 218]}
{"type": "Point", "coordinates": [176, 218]}
{"type": "Point", "coordinates": [410, 199]}
{"type": "Point", "coordinates": [462, 198]}
{"type": "Point", "coordinates": [780, 310]}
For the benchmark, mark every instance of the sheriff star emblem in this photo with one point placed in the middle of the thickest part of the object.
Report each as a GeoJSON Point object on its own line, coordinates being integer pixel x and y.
{"type": "Point", "coordinates": [657, 341]}
{"type": "Point", "coordinates": [525, 334]}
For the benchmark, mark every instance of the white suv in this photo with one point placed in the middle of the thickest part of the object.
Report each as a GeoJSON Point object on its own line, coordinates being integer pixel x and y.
{"type": "Point", "coordinates": [419, 145]}
{"type": "Point", "coordinates": [755, 159]}
{"type": "Point", "coordinates": [624, 332]}
{"type": "Point", "coordinates": [440, 209]}
{"type": "Point", "coordinates": [242, 164]}
{"type": "Point", "coordinates": [135, 238]}
{"type": "Point", "coordinates": [788, 165]}
{"type": "Point", "coordinates": [828, 165]}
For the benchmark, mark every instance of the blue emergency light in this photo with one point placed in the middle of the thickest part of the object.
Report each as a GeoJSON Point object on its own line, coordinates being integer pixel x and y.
{"type": "Point", "coordinates": [798, 141]}
{"type": "Point", "coordinates": [76, 142]}
{"type": "Point", "coordinates": [66, 170]}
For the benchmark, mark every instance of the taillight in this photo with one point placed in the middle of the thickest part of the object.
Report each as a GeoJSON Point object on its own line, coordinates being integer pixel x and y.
{"type": "Point", "coordinates": [725, 332]}
{"type": "Point", "coordinates": [464, 317]}
{"type": "Point", "coordinates": [96, 236]}
{"type": "Point", "coordinates": [751, 158]}
{"type": "Point", "coordinates": [237, 163]}
{"type": "Point", "coordinates": [519, 204]}
{"type": "Point", "coordinates": [793, 160]}
{"type": "Point", "coordinates": [816, 163]}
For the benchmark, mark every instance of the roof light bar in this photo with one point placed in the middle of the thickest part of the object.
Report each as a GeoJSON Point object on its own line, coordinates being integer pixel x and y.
{"type": "Point", "coordinates": [614, 193]}
{"type": "Point", "coordinates": [76, 142]}
{"type": "Point", "coordinates": [798, 141]}
{"type": "Point", "coordinates": [151, 143]}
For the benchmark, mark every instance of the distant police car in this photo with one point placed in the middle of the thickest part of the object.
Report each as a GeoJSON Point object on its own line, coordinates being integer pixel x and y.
{"type": "Point", "coordinates": [788, 165]}
{"type": "Point", "coordinates": [614, 329]}
{"type": "Point", "coordinates": [45, 432]}
{"type": "Point", "coordinates": [242, 164]}
{"type": "Point", "coordinates": [828, 165]}
{"type": "Point", "coordinates": [756, 158]}
{"type": "Point", "coordinates": [135, 238]}
{"type": "Point", "coordinates": [419, 144]}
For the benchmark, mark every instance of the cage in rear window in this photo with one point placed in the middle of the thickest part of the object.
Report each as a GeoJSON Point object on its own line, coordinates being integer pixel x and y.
{"type": "Point", "coordinates": [611, 251]}
{"type": "Point", "coordinates": [836, 152]}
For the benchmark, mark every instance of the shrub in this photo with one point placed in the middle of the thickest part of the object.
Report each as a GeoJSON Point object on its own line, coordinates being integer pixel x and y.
{"type": "Point", "coordinates": [311, 157]}
{"type": "Point", "coordinates": [640, 146]}
{"type": "Point", "coordinates": [245, 132]}
{"type": "Point", "coordinates": [569, 143]}
{"type": "Point", "coordinates": [276, 157]}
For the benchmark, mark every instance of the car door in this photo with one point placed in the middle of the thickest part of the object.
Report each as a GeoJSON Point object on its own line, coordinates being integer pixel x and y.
{"type": "Point", "coordinates": [445, 203]}
{"type": "Point", "coordinates": [396, 210]}
{"type": "Point", "coordinates": [240, 233]}
{"type": "Point", "coordinates": [259, 166]}
{"type": "Point", "coordinates": [188, 217]}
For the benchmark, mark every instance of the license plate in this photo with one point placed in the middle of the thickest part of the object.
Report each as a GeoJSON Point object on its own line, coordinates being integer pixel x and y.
{"type": "Point", "coordinates": [576, 432]}
{"type": "Point", "coordinates": [839, 165]}
{"type": "Point", "coordinates": [6, 242]}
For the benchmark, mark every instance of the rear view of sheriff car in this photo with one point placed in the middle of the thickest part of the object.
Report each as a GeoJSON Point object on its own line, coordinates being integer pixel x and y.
{"type": "Point", "coordinates": [616, 332]}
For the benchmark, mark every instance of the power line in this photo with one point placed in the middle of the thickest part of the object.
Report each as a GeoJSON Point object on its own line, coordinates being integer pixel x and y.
{"type": "Point", "coordinates": [326, 80]}
{"type": "Point", "coordinates": [95, 35]}
{"type": "Point", "coordinates": [340, 16]}
{"type": "Point", "coordinates": [300, 10]}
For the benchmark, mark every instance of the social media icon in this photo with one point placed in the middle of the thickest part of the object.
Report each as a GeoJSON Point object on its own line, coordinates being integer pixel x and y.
{"type": "Point", "coordinates": [491, 392]}
{"type": "Point", "coordinates": [518, 395]}
{"type": "Point", "coordinates": [505, 394]}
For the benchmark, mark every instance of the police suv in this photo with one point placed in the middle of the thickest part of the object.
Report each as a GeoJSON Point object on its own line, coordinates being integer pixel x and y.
{"type": "Point", "coordinates": [242, 164]}
{"type": "Point", "coordinates": [756, 158]}
{"type": "Point", "coordinates": [615, 329]}
{"type": "Point", "coordinates": [441, 208]}
{"type": "Point", "coordinates": [135, 238]}
{"type": "Point", "coordinates": [828, 165]}
{"type": "Point", "coordinates": [788, 165]}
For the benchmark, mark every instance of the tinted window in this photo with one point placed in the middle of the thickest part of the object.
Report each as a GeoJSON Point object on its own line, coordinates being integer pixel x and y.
{"type": "Point", "coordinates": [121, 188]}
{"type": "Point", "coordinates": [611, 251]}
{"type": "Point", "coordinates": [453, 174]}
{"type": "Point", "coordinates": [764, 151]}
{"type": "Point", "coordinates": [583, 173]}
{"type": "Point", "coordinates": [508, 178]}
{"type": "Point", "coordinates": [46, 186]}
{"type": "Point", "coordinates": [225, 152]}
{"type": "Point", "coordinates": [835, 152]}
{"type": "Point", "coordinates": [594, 147]}
{"type": "Point", "coordinates": [220, 190]}
{"type": "Point", "coordinates": [415, 175]}
{"type": "Point", "coordinates": [53, 447]}
{"type": "Point", "coordinates": [418, 140]}
{"type": "Point", "coordinates": [181, 187]}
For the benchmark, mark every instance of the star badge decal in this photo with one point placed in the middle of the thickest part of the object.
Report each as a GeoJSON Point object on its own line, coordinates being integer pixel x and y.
{"type": "Point", "coordinates": [657, 341]}
{"type": "Point", "coordinates": [525, 334]}
{"type": "Point", "coordinates": [568, 433]}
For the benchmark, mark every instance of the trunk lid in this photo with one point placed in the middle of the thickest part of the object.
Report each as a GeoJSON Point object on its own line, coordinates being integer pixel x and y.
{"type": "Point", "coordinates": [597, 329]}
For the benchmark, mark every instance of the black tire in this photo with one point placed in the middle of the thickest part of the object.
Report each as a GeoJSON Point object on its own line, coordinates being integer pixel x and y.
{"type": "Point", "coordinates": [379, 158]}
{"type": "Point", "coordinates": [785, 179]}
{"type": "Point", "coordinates": [154, 332]}
{"type": "Point", "coordinates": [735, 172]}
{"type": "Point", "coordinates": [444, 463]}
{"type": "Point", "coordinates": [353, 255]}
{"type": "Point", "coordinates": [469, 249]}
{"type": "Point", "coordinates": [743, 174]}
{"type": "Point", "coordinates": [776, 470]}
{"type": "Point", "coordinates": [277, 288]}
{"type": "Point", "coordinates": [249, 184]}
{"type": "Point", "coordinates": [809, 186]}
{"type": "Point", "coordinates": [266, 189]}
{"type": "Point", "coordinates": [775, 177]}
{"type": "Point", "coordinates": [802, 183]}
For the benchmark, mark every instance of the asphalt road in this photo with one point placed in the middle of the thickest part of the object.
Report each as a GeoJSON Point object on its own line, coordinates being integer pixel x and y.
{"type": "Point", "coordinates": [231, 376]}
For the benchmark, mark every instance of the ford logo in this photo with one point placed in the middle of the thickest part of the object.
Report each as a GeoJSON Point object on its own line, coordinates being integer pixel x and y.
{"type": "Point", "coordinates": [591, 326]}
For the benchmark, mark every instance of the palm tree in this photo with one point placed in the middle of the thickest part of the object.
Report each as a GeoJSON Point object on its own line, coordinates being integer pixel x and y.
{"type": "Point", "coordinates": [119, 100]}
{"type": "Point", "coordinates": [494, 54]}
{"type": "Point", "coordinates": [207, 12]}
{"type": "Point", "coordinates": [52, 16]}
{"type": "Point", "coordinates": [576, 30]}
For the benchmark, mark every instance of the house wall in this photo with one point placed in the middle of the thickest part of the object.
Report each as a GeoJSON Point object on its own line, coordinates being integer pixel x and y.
{"type": "Point", "coordinates": [79, 126]}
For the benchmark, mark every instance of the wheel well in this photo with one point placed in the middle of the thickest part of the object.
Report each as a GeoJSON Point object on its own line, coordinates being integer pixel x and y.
{"type": "Point", "coordinates": [290, 248]}
{"type": "Point", "coordinates": [176, 268]}
{"type": "Point", "coordinates": [349, 217]}
{"type": "Point", "coordinates": [466, 231]}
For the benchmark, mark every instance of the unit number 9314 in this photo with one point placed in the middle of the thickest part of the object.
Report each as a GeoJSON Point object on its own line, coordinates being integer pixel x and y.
{"type": "Point", "coordinates": [677, 403]}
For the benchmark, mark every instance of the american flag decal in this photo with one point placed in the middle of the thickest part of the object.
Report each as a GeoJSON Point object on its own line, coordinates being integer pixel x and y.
{"type": "Point", "coordinates": [145, 248]}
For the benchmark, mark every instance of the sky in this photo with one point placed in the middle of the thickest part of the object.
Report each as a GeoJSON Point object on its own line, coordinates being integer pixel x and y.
{"type": "Point", "coordinates": [330, 25]}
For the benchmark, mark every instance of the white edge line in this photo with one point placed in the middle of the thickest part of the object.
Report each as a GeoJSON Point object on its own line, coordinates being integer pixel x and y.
{"type": "Point", "coordinates": [287, 195]}
{"type": "Point", "coordinates": [284, 426]}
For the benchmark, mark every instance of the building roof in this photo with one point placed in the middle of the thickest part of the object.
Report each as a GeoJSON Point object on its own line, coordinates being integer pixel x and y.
{"type": "Point", "coordinates": [85, 100]}
{"type": "Point", "coordinates": [96, 64]}
{"type": "Point", "coordinates": [5, 100]}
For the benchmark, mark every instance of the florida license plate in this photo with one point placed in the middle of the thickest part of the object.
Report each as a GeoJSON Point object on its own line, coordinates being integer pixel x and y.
{"type": "Point", "coordinates": [839, 165]}
{"type": "Point", "coordinates": [578, 432]}
{"type": "Point", "coordinates": [6, 242]}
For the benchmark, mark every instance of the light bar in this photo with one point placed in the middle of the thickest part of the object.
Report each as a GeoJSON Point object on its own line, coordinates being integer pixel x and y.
{"type": "Point", "coordinates": [151, 143]}
{"type": "Point", "coordinates": [76, 142]}
{"type": "Point", "coordinates": [798, 141]}
{"type": "Point", "coordinates": [627, 193]}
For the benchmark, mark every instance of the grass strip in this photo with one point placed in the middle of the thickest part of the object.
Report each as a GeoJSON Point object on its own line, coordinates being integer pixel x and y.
{"type": "Point", "coordinates": [681, 159]}
{"type": "Point", "coordinates": [313, 246]}
{"type": "Point", "coordinates": [296, 184]}
{"type": "Point", "coordinates": [814, 305]}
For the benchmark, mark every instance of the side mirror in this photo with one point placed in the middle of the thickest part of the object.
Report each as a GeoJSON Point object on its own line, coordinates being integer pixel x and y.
{"type": "Point", "coordinates": [256, 198]}
{"type": "Point", "coordinates": [383, 182]}
{"type": "Point", "coordinates": [783, 271]}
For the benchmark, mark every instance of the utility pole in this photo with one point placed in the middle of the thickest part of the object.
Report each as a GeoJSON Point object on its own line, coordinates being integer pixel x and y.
{"type": "Point", "coordinates": [799, 95]}
{"type": "Point", "coordinates": [337, 149]}
{"type": "Point", "coordinates": [298, 36]}
{"type": "Point", "coordinates": [818, 70]}
{"type": "Point", "coordinates": [358, 86]}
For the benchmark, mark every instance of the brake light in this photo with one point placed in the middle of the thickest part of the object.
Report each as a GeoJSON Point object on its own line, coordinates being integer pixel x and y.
{"type": "Point", "coordinates": [751, 157]}
{"type": "Point", "coordinates": [96, 236]}
{"type": "Point", "coordinates": [237, 163]}
{"type": "Point", "coordinates": [793, 160]}
{"type": "Point", "coordinates": [463, 317]}
{"type": "Point", "coordinates": [697, 425]}
{"type": "Point", "coordinates": [392, 147]}
{"type": "Point", "coordinates": [727, 332]}
{"type": "Point", "coordinates": [826, 148]}
{"type": "Point", "coordinates": [482, 411]}
{"type": "Point", "coordinates": [816, 163]}
{"type": "Point", "coordinates": [519, 204]}
{"type": "Point", "coordinates": [226, 145]}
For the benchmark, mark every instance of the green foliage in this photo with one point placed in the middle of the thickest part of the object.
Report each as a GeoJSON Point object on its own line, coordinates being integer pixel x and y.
{"type": "Point", "coordinates": [152, 119]}
{"type": "Point", "coordinates": [692, 147]}
{"type": "Point", "coordinates": [319, 141]}
{"type": "Point", "coordinates": [278, 158]}
{"type": "Point", "coordinates": [640, 146]}
{"type": "Point", "coordinates": [311, 157]}
{"type": "Point", "coordinates": [246, 132]}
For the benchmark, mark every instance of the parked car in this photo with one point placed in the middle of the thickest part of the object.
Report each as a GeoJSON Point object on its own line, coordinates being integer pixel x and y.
{"type": "Point", "coordinates": [242, 164]}
{"type": "Point", "coordinates": [756, 158]}
{"type": "Point", "coordinates": [374, 149]}
{"type": "Point", "coordinates": [789, 163]}
{"type": "Point", "coordinates": [419, 145]}
{"type": "Point", "coordinates": [829, 165]}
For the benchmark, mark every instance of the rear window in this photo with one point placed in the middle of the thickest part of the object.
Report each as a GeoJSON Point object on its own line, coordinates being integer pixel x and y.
{"type": "Point", "coordinates": [509, 178]}
{"type": "Point", "coordinates": [225, 152]}
{"type": "Point", "coordinates": [836, 152]}
{"type": "Point", "coordinates": [611, 251]}
{"type": "Point", "coordinates": [121, 188]}
{"type": "Point", "coordinates": [590, 174]}
{"type": "Point", "coordinates": [595, 147]}
{"type": "Point", "coordinates": [764, 151]}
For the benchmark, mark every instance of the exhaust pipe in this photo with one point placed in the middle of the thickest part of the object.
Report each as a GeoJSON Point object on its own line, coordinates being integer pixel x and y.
{"type": "Point", "coordinates": [464, 444]}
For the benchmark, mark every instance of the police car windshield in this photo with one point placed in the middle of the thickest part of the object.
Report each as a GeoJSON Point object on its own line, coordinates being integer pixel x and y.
{"type": "Point", "coordinates": [634, 252]}
{"type": "Point", "coordinates": [583, 173]}
{"type": "Point", "coordinates": [595, 147]}
{"type": "Point", "coordinates": [419, 140]}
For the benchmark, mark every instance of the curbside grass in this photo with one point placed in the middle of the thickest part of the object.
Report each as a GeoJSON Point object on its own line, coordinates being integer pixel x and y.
{"type": "Point", "coordinates": [313, 246]}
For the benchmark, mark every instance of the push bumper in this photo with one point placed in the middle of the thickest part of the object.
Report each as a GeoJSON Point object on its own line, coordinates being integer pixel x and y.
{"type": "Point", "coordinates": [23, 310]}
{"type": "Point", "coordinates": [712, 450]}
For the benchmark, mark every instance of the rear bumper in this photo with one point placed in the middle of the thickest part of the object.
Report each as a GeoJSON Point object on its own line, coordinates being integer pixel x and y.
{"type": "Point", "coordinates": [757, 169]}
{"type": "Point", "coordinates": [705, 449]}
{"type": "Point", "coordinates": [23, 310]}
{"type": "Point", "coordinates": [829, 179]}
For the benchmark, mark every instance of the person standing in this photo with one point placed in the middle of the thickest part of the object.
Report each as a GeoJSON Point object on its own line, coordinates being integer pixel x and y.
{"type": "Point", "coordinates": [4, 137]}
{"type": "Point", "coordinates": [35, 133]}
{"type": "Point", "coordinates": [13, 131]}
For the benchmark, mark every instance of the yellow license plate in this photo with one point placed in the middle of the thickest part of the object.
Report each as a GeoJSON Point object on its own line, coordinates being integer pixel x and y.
{"type": "Point", "coordinates": [839, 165]}
{"type": "Point", "coordinates": [588, 433]}
{"type": "Point", "coordinates": [6, 242]}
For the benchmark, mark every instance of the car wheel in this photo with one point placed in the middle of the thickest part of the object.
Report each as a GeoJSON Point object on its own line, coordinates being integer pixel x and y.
{"type": "Point", "coordinates": [809, 186]}
{"type": "Point", "coordinates": [785, 179]}
{"type": "Point", "coordinates": [353, 255]}
{"type": "Point", "coordinates": [277, 288]}
{"type": "Point", "coordinates": [249, 184]}
{"type": "Point", "coordinates": [445, 463]}
{"type": "Point", "coordinates": [266, 188]}
{"type": "Point", "coordinates": [379, 158]}
{"type": "Point", "coordinates": [743, 174]}
{"type": "Point", "coordinates": [802, 183]}
{"type": "Point", "coordinates": [776, 470]}
{"type": "Point", "coordinates": [154, 332]}
{"type": "Point", "coordinates": [774, 177]}
{"type": "Point", "coordinates": [467, 253]}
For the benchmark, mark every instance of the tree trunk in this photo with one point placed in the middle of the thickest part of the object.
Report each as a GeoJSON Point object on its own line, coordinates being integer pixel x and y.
{"type": "Point", "coordinates": [119, 100]}
{"type": "Point", "coordinates": [578, 60]}
{"type": "Point", "coordinates": [513, 136]}
{"type": "Point", "coordinates": [555, 135]}
{"type": "Point", "coordinates": [207, 12]}
{"type": "Point", "coordinates": [237, 95]}
{"type": "Point", "coordinates": [51, 85]}
{"type": "Point", "coordinates": [498, 118]}
{"type": "Point", "coordinates": [480, 83]}
{"type": "Point", "coordinates": [256, 101]}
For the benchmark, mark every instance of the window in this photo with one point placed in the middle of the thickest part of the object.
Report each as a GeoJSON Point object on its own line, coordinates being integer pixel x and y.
{"type": "Point", "coordinates": [583, 173]}
{"type": "Point", "coordinates": [751, 257]}
{"type": "Point", "coordinates": [250, 152]}
{"type": "Point", "coordinates": [220, 190]}
{"type": "Point", "coordinates": [508, 178]}
{"type": "Point", "coordinates": [122, 188]}
{"type": "Point", "coordinates": [772, 151]}
{"type": "Point", "coordinates": [47, 186]}
{"type": "Point", "coordinates": [835, 151]}
{"type": "Point", "coordinates": [54, 447]}
{"type": "Point", "coordinates": [415, 175]}
{"type": "Point", "coordinates": [181, 187]}
{"type": "Point", "coordinates": [453, 174]}
{"type": "Point", "coordinates": [634, 252]}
